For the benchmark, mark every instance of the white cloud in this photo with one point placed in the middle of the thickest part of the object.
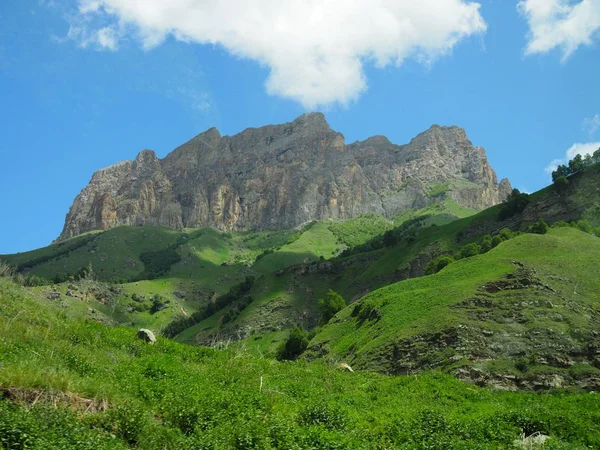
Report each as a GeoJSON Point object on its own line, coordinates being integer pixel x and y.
{"type": "Point", "coordinates": [582, 149]}
{"type": "Point", "coordinates": [592, 125]}
{"type": "Point", "coordinates": [560, 24]}
{"type": "Point", "coordinates": [315, 49]}
{"type": "Point", "coordinates": [105, 38]}
{"type": "Point", "coordinates": [576, 149]}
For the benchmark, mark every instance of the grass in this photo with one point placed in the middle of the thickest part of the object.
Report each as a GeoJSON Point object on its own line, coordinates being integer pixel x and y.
{"type": "Point", "coordinates": [74, 385]}
{"type": "Point", "coordinates": [318, 241]}
{"type": "Point", "coordinates": [353, 232]}
{"type": "Point", "coordinates": [564, 260]}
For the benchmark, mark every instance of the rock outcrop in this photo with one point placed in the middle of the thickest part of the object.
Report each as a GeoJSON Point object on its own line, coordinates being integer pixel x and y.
{"type": "Point", "coordinates": [146, 336]}
{"type": "Point", "coordinates": [280, 176]}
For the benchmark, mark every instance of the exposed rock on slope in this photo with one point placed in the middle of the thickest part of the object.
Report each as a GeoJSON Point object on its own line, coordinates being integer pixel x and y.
{"type": "Point", "coordinates": [280, 176]}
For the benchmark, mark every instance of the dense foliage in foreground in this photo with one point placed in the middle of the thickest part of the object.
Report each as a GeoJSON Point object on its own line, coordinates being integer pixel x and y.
{"type": "Point", "coordinates": [77, 385]}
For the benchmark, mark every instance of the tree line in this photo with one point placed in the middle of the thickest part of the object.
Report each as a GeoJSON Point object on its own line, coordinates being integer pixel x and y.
{"type": "Point", "coordinates": [575, 165]}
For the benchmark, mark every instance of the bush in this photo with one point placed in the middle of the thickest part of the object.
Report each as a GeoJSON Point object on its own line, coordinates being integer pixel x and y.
{"type": "Point", "coordinates": [438, 264]}
{"type": "Point", "coordinates": [294, 346]}
{"type": "Point", "coordinates": [561, 184]}
{"type": "Point", "coordinates": [364, 310]}
{"type": "Point", "coordinates": [158, 303]}
{"type": "Point", "coordinates": [514, 204]}
{"type": "Point", "coordinates": [469, 250]}
{"type": "Point", "coordinates": [330, 304]}
{"type": "Point", "coordinates": [584, 225]}
{"type": "Point", "coordinates": [486, 244]}
{"type": "Point", "coordinates": [159, 262]}
{"type": "Point", "coordinates": [540, 227]}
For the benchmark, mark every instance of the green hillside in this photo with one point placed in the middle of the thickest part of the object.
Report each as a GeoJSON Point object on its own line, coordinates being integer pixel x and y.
{"type": "Point", "coordinates": [74, 384]}
{"type": "Point", "coordinates": [523, 313]}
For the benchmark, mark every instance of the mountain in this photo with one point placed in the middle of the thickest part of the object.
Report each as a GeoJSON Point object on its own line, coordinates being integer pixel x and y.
{"type": "Point", "coordinates": [281, 176]}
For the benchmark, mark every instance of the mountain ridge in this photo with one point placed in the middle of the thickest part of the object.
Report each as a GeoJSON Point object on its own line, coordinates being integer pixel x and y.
{"type": "Point", "coordinates": [280, 176]}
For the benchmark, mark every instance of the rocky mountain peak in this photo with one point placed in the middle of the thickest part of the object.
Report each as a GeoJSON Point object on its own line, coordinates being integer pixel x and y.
{"type": "Point", "coordinates": [280, 176]}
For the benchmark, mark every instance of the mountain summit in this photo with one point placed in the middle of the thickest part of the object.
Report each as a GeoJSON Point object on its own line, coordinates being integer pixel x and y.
{"type": "Point", "coordinates": [280, 176]}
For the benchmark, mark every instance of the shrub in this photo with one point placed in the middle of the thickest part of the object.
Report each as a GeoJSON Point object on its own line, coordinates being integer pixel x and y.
{"type": "Point", "coordinates": [486, 244]}
{"type": "Point", "coordinates": [561, 184]}
{"type": "Point", "coordinates": [330, 304]}
{"type": "Point", "coordinates": [159, 262]}
{"type": "Point", "coordinates": [469, 250]}
{"type": "Point", "coordinates": [294, 346]}
{"type": "Point", "coordinates": [540, 227]}
{"type": "Point", "coordinates": [364, 310]}
{"type": "Point", "coordinates": [158, 303]}
{"type": "Point", "coordinates": [584, 225]}
{"type": "Point", "coordinates": [438, 264]}
{"type": "Point", "coordinates": [514, 204]}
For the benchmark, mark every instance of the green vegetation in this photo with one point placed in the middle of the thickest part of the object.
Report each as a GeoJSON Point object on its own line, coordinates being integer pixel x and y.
{"type": "Point", "coordinates": [294, 345]}
{"type": "Point", "coordinates": [237, 293]}
{"type": "Point", "coordinates": [80, 385]}
{"type": "Point", "coordinates": [354, 232]}
{"type": "Point", "coordinates": [514, 204]}
{"type": "Point", "coordinates": [512, 284]}
{"type": "Point", "coordinates": [506, 308]}
{"type": "Point", "coordinates": [330, 305]}
{"type": "Point", "coordinates": [438, 190]}
{"type": "Point", "coordinates": [577, 164]}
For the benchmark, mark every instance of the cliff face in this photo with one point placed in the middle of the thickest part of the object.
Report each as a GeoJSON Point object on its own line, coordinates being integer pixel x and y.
{"type": "Point", "coordinates": [280, 176]}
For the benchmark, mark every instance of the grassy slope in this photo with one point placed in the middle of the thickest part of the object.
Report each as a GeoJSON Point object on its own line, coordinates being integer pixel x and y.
{"type": "Point", "coordinates": [318, 241]}
{"type": "Point", "coordinates": [565, 259]}
{"type": "Point", "coordinates": [283, 301]}
{"type": "Point", "coordinates": [113, 254]}
{"type": "Point", "coordinates": [131, 395]}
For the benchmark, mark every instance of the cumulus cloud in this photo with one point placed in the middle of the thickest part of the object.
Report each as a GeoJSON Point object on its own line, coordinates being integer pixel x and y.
{"type": "Point", "coordinates": [576, 149]}
{"type": "Point", "coordinates": [315, 49]}
{"type": "Point", "coordinates": [560, 24]}
{"type": "Point", "coordinates": [592, 124]}
{"type": "Point", "coordinates": [582, 149]}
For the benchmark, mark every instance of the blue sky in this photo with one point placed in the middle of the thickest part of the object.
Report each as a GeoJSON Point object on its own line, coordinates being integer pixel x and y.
{"type": "Point", "coordinates": [87, 83]}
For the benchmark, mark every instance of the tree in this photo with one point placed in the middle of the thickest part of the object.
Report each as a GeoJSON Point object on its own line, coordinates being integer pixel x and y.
{"type": "Point", "coordinates": [438, 264]}
{"type": "Point", "coordinates": [330, 304]}
{"type": "Point", "coordinates": [486, 244]}
{"type": "Point", "coordinates": [596, 156]}
{"type": "Point", "coordinates": [576, 164]}
{"type": "Point", "coordinates": [561, 183]}
{"type": "Point", "coordinates": [294, 346]}
{"type": "Point", "coordinates": [584, 225]}
{"type": "Point", "coordinates": [469, 250]}
{"type": "Point", "coordinates": [540, 227]}
{"type": "Point", "coordinates": [514, 204]}
{"type": "Point", "coordinates": [496, 241]}
{"type": "Point", "coordinates": [389, 238]}
{"type": "Point", "coordinates": [561, 171]}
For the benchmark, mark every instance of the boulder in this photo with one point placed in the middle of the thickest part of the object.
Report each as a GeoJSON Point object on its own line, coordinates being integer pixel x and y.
{"type": "Point", "coordinates": [345, 367]}
{"type": "Point", "coordinates": [146, 335]}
